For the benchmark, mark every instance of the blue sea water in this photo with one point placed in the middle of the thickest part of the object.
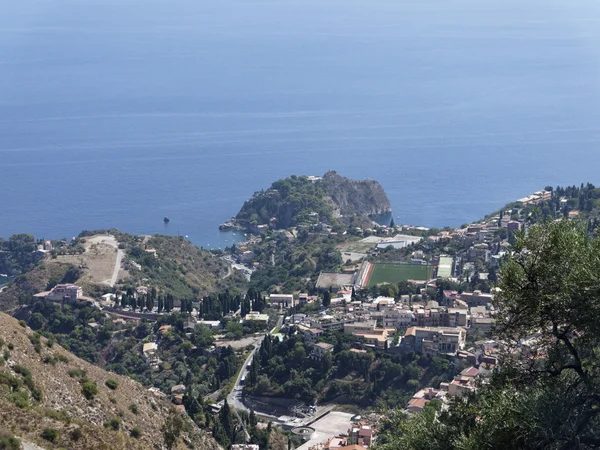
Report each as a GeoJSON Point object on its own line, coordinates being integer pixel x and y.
{"type": "Point", "coordinates": [116, 113]}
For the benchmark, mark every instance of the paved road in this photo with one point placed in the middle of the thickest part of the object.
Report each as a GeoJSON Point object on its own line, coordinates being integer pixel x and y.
{"type": "Point", "coordinates": [235, 396]}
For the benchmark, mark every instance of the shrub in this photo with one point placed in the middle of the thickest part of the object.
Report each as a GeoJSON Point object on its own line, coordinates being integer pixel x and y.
{"type": "Point", "coordinates": [11, 346]}
{"type": "Point", "coordinates": [76, 434]}
{"type": "Point", "coordinates": [77, 373]}
{"type": "Point", "coordinates": [89, 389]}
{"type": "Point", "coordinates": [113, 424]}
{"type": "Point", "coordinates": [1, 342]}
{"type": "Point", "coordinates": [8, 442]}
{"type": "Point", "coordinates": [50, 343]}
{"type": "Point", "coordinates": [20, 399]}
{"type": "Point", "coordinates": [49, 434]}
{"type": "Point", "coordinates": [111, 384]}
{"type": "Point", "coordinates": [1, 361]}
{"type": "Point", "coordinates": [136, 432]}
{"type": "Point", "coordinates": [133, 408]}
{"type": "Point", "coordinates": [6, 355]}
{"type": "Point", "coordinates": [22, 323]}
{"type": "Point", "coordinates": [22, 371]}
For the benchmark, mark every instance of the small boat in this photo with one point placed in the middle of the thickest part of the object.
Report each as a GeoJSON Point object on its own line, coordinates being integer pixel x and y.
{"type": "Point", "coordinates": [166, 220]}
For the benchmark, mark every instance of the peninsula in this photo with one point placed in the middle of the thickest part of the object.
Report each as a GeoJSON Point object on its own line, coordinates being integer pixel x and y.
{"type": "Point", "coordinates": [310, 200]}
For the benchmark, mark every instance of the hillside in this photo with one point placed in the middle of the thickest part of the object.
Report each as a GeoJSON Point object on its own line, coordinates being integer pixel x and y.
{"type": "Point", "coordinates": [294, 201]}
{"type": "Point", "coordinates": [170, 264]}
{"type": "Point", "coordinates": [177, 267]}
{"type": "Point", "coordinates": [42, 388]}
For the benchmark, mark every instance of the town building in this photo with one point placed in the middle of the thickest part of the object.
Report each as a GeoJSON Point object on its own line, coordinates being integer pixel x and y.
{"type": "Point", "coordinates": [67, 293]}
{"type": "Point", "coordinates": [282, 301]}
{"type": "Point", "coordinates": [430, 340]}
{"type": "Point", "coordinates": [319, 350]}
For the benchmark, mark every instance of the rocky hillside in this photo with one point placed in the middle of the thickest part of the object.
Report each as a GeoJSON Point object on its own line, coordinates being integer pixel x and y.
{"type": "Point", "coordinates": [302, 200]}
{"type": "Point", "coordinates": [51, 398]}
{"type": "Point", "coordinates": [355, 198]}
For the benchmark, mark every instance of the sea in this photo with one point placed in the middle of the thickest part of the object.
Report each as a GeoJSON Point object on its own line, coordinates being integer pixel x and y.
{"type": "Point", "coordinates": [117, 113]}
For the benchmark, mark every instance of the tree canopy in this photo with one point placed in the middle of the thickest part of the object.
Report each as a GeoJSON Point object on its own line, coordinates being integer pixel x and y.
{"type": "Point", "coordinates": [545, 393]}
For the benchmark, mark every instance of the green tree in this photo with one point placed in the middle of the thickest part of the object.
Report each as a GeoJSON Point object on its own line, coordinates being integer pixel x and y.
{"type": "Point", "coordinates": [326, 298]}
{"type": "Point", "coordinates": [546, 393]}
{"type": "Point", "coordinates": [172, 429]}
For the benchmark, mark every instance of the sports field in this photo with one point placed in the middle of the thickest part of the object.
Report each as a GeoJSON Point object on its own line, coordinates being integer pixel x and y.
{"type": "Point", "coordinates": [393, 273]}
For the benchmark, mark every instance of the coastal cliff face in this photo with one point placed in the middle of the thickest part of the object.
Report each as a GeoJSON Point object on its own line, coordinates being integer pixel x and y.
{"type": "Point", "coordinates": [294, 201]}
{"type": "Point", "coordinates": [355, 197]}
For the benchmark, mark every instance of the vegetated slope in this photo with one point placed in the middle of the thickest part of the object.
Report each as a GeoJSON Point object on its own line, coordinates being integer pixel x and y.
{"type": "Point", "coordinates": [176, 266]}
{"type": "Point", "coordinates": [33, 281]}
{"type": "Point", "coordinates": [44, 387]}
{"type": "Point", "coordinates": [301, 201]}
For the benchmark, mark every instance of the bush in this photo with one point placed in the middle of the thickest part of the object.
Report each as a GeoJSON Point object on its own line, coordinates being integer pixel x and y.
{"type": "Point", "coordinates": [136, 432]}
{"type": "Point", "coordinates": [77, 373]}
{"type": "Point", "coordinates": [8, 442]}
{"type": "Point", "coordinates": [133, 408]}
{"type": "Point", "coordinates": [49, 434]}
{"type": "Point", "coordinates": [1, 342]}
{"type": "Point", "coordinates": [89, 389]}
{"type": "Point", "coordinates": [113, 424]}
{"type": "Point", "coordinates": [22, 371]}
{"type": "Point", "coordinates": [22, 323]}
{"type": "Point", "coordinates": [20, 399]}
{"type": "Point", "coordinates": [76, 434]}
{"type": "Point", "coordinates": [111, 384]}
{"type": "Point", "coordinates": [11, 346]}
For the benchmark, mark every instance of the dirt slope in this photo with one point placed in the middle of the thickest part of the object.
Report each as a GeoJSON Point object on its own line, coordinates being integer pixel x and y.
{"type": "Point", "coordinates": [62, 405]}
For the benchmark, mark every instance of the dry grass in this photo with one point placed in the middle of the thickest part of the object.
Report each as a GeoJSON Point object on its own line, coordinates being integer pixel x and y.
{"type": "Point", "coordinates": [64, 408]}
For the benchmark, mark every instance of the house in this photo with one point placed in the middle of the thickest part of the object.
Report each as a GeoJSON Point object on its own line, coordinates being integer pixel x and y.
{"type": "Point", "coordinates": [476, 298]}
{"type": "Point", "coordinates": [319, 350]}
{"type": "Point", "coordinates": [432, 340]}
{"type": "Point", "coordinates": [282, 301]}
{"type": "Point", "coordinates": [424, 396]}
{"type": "Point", "coordinates": [310, 334]}
{"type": "Point", "coordinates": [257, 317]}
{"type": "Point", "coordinates": [64, 293]}
{"type": "Point", "coordinates": [178, 389]}
{"type": "Point", "coordinates": [149, 350]}
{"type": "Point", "coordinates": [360, 436]}
{"type": "Point", "coordinates": [212, 324]}
{"type": "Point", "coordinates": [373, 336]}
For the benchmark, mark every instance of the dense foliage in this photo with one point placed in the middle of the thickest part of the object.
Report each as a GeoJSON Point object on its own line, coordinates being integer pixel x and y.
{"type": "Point", "coordinates": [18, 254]}
{"type": "Point", "coordinates": [546, 392]}
{"type": "Point", "coordinates": [291, 201]}
{"type": "Point", "coordinates": [284, 369]}
{"type": "Point", "coordinates": [294, 265]}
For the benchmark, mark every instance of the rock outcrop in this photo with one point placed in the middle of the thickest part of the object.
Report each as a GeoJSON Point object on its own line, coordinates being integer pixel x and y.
{"type": "Point", "coordinates": [355, 197]}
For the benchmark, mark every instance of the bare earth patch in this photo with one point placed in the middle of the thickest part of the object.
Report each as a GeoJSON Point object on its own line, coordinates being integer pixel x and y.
{"type": "Point", "coordinates": [98, 261]}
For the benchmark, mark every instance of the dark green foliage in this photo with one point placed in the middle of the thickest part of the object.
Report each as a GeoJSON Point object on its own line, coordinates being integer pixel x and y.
{"type": "Point", "coordinates": [136, 432]}
{"type": "Point", "coordinates": [290, 201]}
{"type": "Point", "coordinates": [76, 434]}
{"type": "Point", "coordinates": [111, 384]}
{"type": "Point", "coordinates": [113, 424]}
{"type": "Point", "coordinates": [547, 397]}
{"type": "Point", "coordinates": [282, 369]}
{"type": "Point", "coordinates": [172, 429]}
{"type": "Point", "coordinates": [18, 254]}
{"type": "Point", "coordinates": [49, 434]}
{"type": "Point", "coordinates": [9, 442]}
{"type": "Point", "coordinates": [133, 408]}
{"type": "Point", "coordinates": [89, 389]}
{"type": "Point", "coordinates": [77, 373]}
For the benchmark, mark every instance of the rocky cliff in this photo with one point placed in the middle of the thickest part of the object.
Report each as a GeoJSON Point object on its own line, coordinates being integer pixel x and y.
{"type": "Point", "coordinates": [305, 200]}
{"type": "Point", "coordinates": [355, 198]}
